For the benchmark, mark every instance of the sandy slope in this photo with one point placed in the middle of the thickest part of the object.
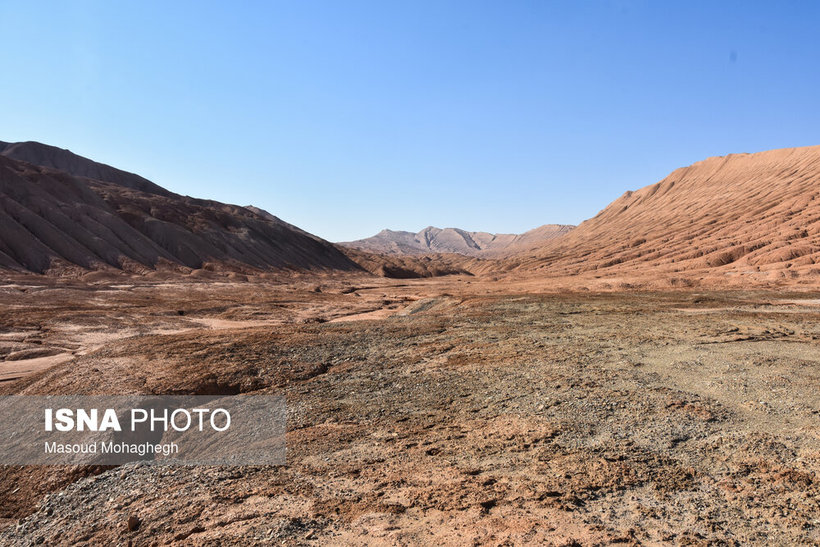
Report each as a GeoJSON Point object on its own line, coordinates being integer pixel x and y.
{"type": "Point", "coordinates": [750, 215]}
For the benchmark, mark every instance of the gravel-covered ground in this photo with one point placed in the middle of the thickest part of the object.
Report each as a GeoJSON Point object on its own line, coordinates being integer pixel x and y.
{"type": "Point", "coordinates": [447, 415]}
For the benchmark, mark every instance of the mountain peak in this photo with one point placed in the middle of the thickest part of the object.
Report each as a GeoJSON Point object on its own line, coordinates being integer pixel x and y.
{"type": "Point", "coordinates": [455, 240]}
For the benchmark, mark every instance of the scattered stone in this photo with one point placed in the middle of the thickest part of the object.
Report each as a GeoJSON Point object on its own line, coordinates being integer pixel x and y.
{"type": "Point", "coordinates": [134, 523]}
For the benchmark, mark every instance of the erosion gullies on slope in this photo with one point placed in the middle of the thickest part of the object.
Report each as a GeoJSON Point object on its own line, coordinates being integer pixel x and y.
{"type": "Point", "coordinates": [48, 217]}
{"type": "Point", "coordinates": [743, 218]}
{"type": "Point", "coordinates": [58, 223]}
{"type": "Point", "coordinates": [455, 240]}
{"type": "Point", "coordinates": [751, 215]}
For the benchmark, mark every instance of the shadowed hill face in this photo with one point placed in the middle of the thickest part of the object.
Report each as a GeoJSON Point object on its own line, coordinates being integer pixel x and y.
{"type": "Point", "coordinates": [68, 162]}
{"type": "Point", "coordinates": [454, 240]}
{"type": "Point", "coordinates": [408, 266]}
{"type": "Point", "coordinates": [54, 222]}
{"type": "Point", "coordinates": [739, 214]}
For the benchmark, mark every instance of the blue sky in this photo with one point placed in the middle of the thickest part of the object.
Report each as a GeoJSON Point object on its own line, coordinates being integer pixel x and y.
{"type": "Point", "coordinates": [347, 117]}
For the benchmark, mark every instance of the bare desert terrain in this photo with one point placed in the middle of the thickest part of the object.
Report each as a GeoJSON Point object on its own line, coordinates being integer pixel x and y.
{"type": "Point", "coordinates": [435, 411]}
{"type": "Point", "coordinates": [648, 377]}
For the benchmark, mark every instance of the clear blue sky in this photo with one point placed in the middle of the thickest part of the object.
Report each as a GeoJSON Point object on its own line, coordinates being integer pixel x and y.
{"type": "Point", "coordinates": [347, 117]}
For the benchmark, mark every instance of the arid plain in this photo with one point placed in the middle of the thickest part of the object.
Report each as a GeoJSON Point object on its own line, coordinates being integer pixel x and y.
{"type": "Point", "coordinates": [440, 411]}
{"type": "Point", "coordinates": [653, 382]}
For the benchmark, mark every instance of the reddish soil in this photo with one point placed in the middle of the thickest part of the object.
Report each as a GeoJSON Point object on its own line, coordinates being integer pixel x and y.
{"type": "Point", "coordinates": [743, 219]}
{"type": "Point", "coordinates": [457, 412]}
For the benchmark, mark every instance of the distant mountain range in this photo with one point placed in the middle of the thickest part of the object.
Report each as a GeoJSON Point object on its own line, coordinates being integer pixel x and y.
{"type": "Point", "coordinates": [62, 213]}
{"type": "Point", "coordinates": [455, 240]}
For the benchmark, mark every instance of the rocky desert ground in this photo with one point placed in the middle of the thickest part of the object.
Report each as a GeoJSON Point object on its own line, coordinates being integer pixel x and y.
{"type": "Point", "coordinates": [451, 410]}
